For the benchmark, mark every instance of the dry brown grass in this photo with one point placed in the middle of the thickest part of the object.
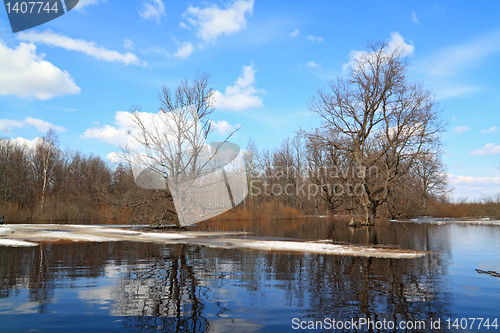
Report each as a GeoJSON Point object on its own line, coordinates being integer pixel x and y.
{"type": "Point", "coordinates": [485, 208]}
{"type": "Point", "coordinates": [266, 211]}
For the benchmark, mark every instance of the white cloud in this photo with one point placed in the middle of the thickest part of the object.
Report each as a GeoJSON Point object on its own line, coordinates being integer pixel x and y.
{"type": "Point", "coordinates": [124, 128]}
{"type": "Point", "coordinates": [473, 187]}
{"type": "Point", "coordinates": [79, 45]}
{"type": "Point", "coordinates": [222, 127]}
{"type": "Point", "coordinates": [488, 149]}
{"type": "Point", "coordinates": [115, 135]}
{"type": "Point", "coordinates": [456, 179]}
{"type": "Point", "coordinates": [396, 42]}
{"type": "Point", "coordinates": [294, 33]}
{"type": "Point", "coordinates": [453, 60]}
{"type": "Point", "coordinates": [42, 125]}
{"type": "Point", "coordinates": [152, 10]}
{"type": "Point", "coordinates": [242, 95]}
{"type": "Point", "coordinates": [461, 129]}
{"type": "Point", "coordinates": [22, 142]}
{"type": "Point", "coordinates": [450, 90]}
{"type": "Point", "coordinates": [490, 130]}
{"type": "Point", "coordinates": [6, 125]}
{"type": "Point", "coordinates": [156, 50]}
{"type": "Point", "coordinates": [211, 22]}
{"type": "Point", "coordinates": [414, 18]}
{"type": "Point", "coordinates": [316, 39]}
{"type": "Point", "coordinates": [445, 71]}
{"type": "Point", "coordinates": [185, 50]}
{"type": "Point", "coordinates": [60, 108]}
{"type": "Point", "coordinates": [115, 157]}
{"type": "Point", "coordinates": [128, 44]}
{"type": "Point", "coordinates": [25, 74]}
{"type": "Point", "coordinates": [312, 64]}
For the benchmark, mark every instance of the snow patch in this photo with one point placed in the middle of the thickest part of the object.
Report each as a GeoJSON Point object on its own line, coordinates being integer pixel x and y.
{"type": "Point", "coordinates": [163, 236]}
{"type": "Point", "coordinates": [5, 231]}
{"type": "Point", "coordinates": [20, 235]}
{"type": "Point", "coordinates": [16, 243]}
{"type": "Point", "coordinates": [332, 249]}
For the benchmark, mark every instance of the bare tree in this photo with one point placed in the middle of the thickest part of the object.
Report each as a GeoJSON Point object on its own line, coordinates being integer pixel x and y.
{"type": "Point", "coordinates": [431, 173]}
{"type": "Point", "coordinates": [168, 150]}
{"type": "Point", "coordinates": [15, 174]}
{"type": "Point", "coordinates": [44, 162]}
{"type": "Point", "coordinates": [378, 119]}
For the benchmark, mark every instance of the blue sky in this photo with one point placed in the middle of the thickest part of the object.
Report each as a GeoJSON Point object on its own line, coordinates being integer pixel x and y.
{"type": "Point", "coordinates": [81, 71]}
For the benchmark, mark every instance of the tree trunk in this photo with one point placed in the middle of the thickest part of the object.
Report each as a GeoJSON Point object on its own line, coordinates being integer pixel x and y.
{"type": "Point", "coordinates": [370, 213]}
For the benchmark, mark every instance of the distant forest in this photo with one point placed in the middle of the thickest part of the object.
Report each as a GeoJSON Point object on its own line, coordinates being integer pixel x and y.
{"type": "Point", "coordinates": [376, 154]}
{"type": "Point", "coordinates": [46, 184]}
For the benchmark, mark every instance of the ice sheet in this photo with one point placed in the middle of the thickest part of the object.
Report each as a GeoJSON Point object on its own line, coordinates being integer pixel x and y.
{"type": "Point", "coordinates": [15, 243]}
{"type": "Point", "coordinates": [29, 234]}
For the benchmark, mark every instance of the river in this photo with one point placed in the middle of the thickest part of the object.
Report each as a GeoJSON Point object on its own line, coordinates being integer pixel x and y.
{"type": "Point", "coordinates": [150, 287]}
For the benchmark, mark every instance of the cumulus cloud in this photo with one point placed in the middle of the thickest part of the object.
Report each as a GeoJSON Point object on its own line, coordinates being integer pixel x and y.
{"type": "Point", "coordinates": [116, 135]}
{"type": "Point", "coordinates": [152, 10]}
{"type": "Point", "coordinates": [22, 142]}
{"type": "Point", "coordinates": [222, 127]}
{"type": "Point", "coordinates": [490, 130]}
{"type": "Point", "coordinates": [115, 157]}
{"type": "Point", "coordinates": [110, 134]}
{"type": "Point", "coordinates": [25, 74]}
{"type": "Point", "coordinates": [242, 95]}
{"type": "Point", "coordinates": [211, 22]}
{"type": "Point", "coordinates": [488, 149]}
{"type": "Point", "coordinates": [6, 125]}
{"type": "Point", "coordinates": [184, 50]}
{"type": "Point", "coordinates": [124, 130]}
{"type": "Point", "coordinates": [42, 125]}
{"type": "Point", "coordinates": [79, 45]}
{"type": "Point", "coordinates": [396, 42]}
{"type": "Point", "coordinates": [461, 129]}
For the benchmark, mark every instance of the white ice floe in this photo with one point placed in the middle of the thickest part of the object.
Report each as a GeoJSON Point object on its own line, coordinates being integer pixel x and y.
{"type": "Point", "coordinates": [5, 231]}
{"type": "Point", "coordinates": [332, 249]}
{"type": "Point", "coordinates": [15, 243]}
{"type": "Point", "coordinates": [26, 235]}
{"type": "Point", "coordinates": [72, 236]}
{"type": "Point", "coordinates": [162, 235]}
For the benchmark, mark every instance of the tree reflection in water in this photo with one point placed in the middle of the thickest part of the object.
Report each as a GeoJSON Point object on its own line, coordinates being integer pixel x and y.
{"type": "Point", "coordinates": [164, 294]}
{"type": "Point", "coordinates": [183, 288]}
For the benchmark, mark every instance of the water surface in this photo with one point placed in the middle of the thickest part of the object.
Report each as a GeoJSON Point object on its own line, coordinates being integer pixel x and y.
{"type": "Point", "coordinates": [130, 286]}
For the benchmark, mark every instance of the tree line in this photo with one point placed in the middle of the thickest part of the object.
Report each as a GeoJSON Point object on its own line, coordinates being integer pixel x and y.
{"type": "Point", "coordinates": [46, 184]}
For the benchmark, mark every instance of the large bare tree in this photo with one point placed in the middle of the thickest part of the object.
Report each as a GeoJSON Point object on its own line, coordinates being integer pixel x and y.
{"type": "Point", "coordinates": [168, 151]}
{"type": "Point", "coordinates": [379, 119]}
